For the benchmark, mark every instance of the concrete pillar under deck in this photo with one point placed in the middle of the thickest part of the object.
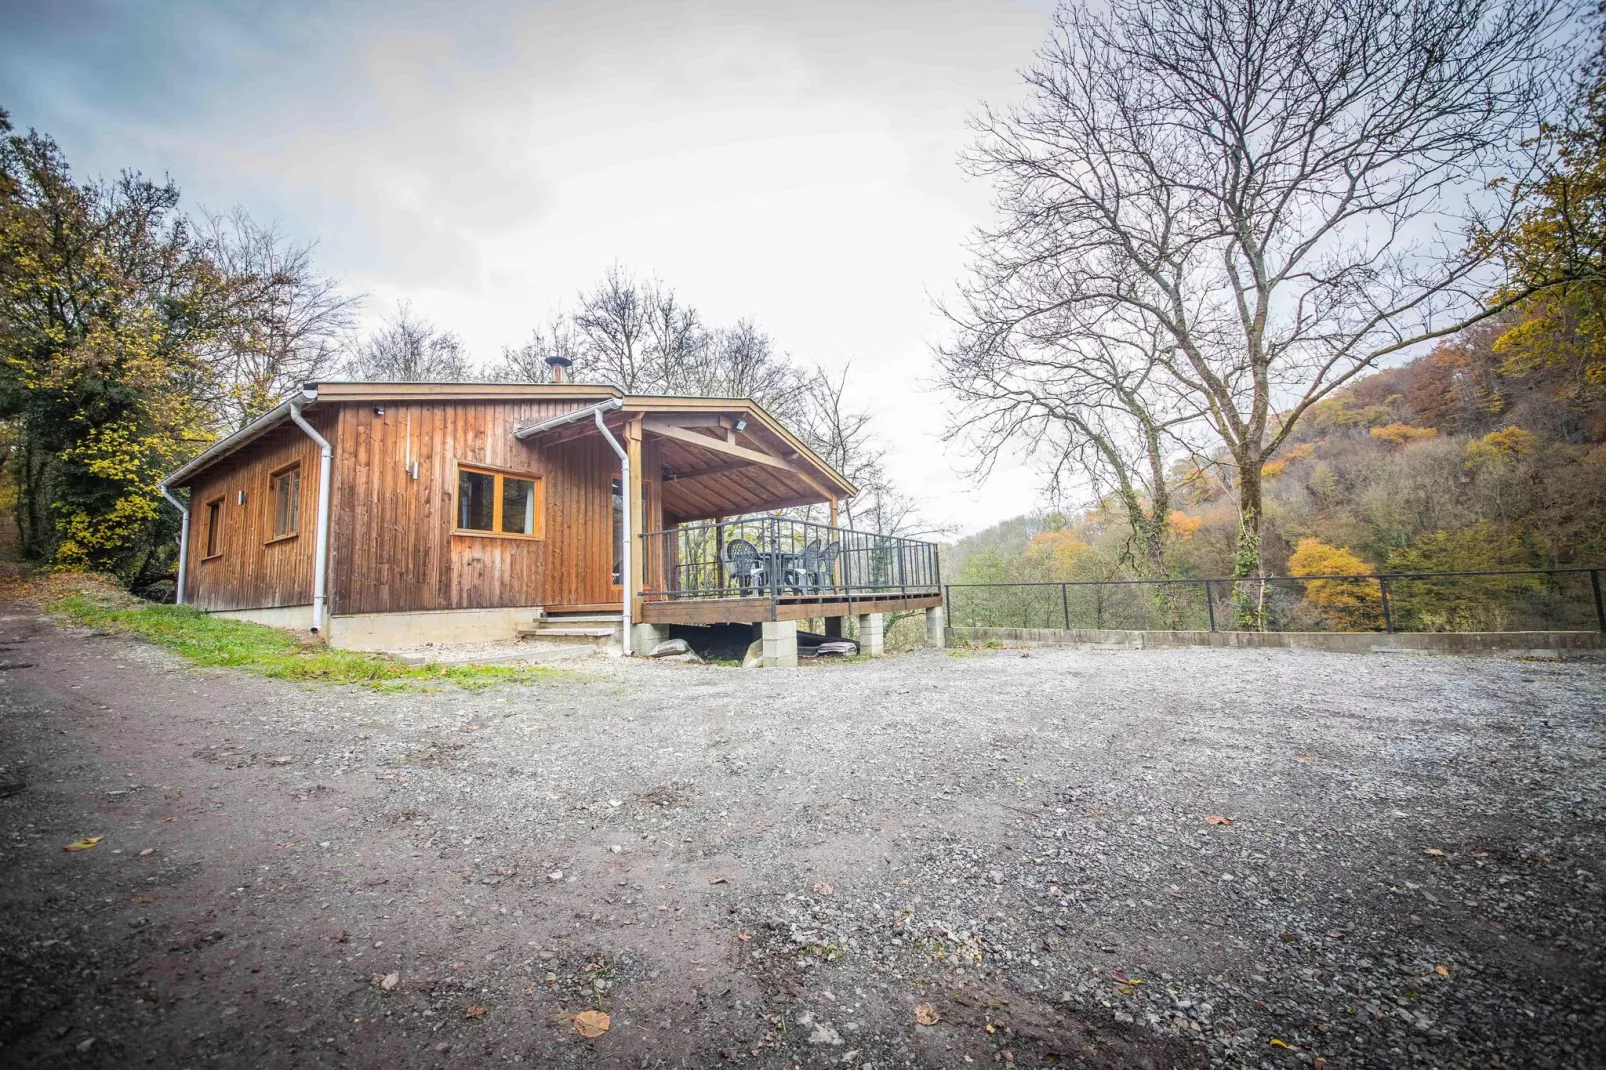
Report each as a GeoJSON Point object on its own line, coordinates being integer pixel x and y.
{"type": "Point", "coordinates": [936, 627]}
{"type": "Point", "coordinates": [780, 644]}
{"type": "Point", "coordinates": [643, 637]}
{"type": "Point", "coordinates": [872, 640]}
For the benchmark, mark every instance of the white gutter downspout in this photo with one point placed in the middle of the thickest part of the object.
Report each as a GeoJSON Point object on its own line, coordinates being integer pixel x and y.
{"type": "Point", "coordinates": [183, 541]}
{"type": "Point", "coordinates": [320, 553]}
{"type": "Point", "coordinates": [625, 575]}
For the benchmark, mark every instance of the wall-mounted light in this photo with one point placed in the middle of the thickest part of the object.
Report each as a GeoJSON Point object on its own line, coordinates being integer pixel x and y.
{"type": "Point", "coordinates": [741, 423]}
{"type": "Point", "coordinates": [239, 497]}
{"type": "Point", "coordinates": [379, 410]}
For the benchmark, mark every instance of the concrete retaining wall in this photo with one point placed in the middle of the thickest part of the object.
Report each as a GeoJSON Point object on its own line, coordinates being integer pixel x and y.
{"type": "Point", "coordinates": [395, 631]}
{"type": "Point", "coordinates": [1539, 643]}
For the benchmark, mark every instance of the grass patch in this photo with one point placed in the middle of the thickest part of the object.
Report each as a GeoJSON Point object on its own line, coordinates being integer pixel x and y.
{"type": "Point", "coordinates": [220, 643]}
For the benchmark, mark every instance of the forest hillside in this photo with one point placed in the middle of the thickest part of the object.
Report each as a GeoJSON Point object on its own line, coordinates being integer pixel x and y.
{"type": "Point", "coordinates": [1460, 460]}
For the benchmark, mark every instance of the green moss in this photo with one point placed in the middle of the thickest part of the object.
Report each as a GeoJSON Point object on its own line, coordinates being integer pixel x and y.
{"type": "Point", "coordinates": [220, 643]}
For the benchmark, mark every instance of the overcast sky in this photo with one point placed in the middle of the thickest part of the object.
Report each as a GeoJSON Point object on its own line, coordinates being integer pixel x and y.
{"type": "Point", "coordinates": [794, 163]}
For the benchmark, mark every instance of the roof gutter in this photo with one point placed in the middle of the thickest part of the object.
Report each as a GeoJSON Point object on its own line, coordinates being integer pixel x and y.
{"type": "Point", "coordinates": [552, 423]}
{"type": "Point", "coordinates": [255, 429]}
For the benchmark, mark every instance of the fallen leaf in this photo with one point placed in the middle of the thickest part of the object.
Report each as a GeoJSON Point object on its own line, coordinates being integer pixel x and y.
{"type": "Point", "coordinates": [590, 1024]}
{"type": "Point", "coordinates": [387, 981]}
{"type": "Point", "coordinates": [1441, 971]}
{"type": "Point", "coordinates": [1321, 1064]}
{"type": "Point", "coordinates": [1303, 757]}
{"type": "Point", "coordinates": [718, 880]}
{"type": "Point", "coordinates": [84, 845]}
{"type": "Point", "coordinates": [475, 1010]}
{"type": "Point", "coordinates": [926, 1014]}
{"type": "Point", "coordinates": [147, 851]}
{"type": "Point", "coordinates": [822, 888]}
{"type": "Point", "coordinates": [1274, 1042]}
{"type": "Point", "coordinates": [1434, 851]}
{"type": "Point", "coordinates": [1217, 819]}
{"type": "Point", "coordinates": [744, 937]}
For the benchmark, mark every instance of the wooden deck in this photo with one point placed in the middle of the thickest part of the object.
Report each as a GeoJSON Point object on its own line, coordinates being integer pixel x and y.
{"type": "Point", "coordinates": [791, 607]}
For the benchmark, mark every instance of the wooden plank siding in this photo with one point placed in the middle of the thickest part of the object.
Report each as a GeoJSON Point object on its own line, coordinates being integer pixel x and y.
{"type": "Point", "coordinates": [253, 570]}
{"type": "Point", "coordinates": [394, 546]}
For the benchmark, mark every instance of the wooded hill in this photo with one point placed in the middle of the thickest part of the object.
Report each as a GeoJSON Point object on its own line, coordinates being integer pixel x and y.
{"type": "Point", "coordinates": [1459, 460]}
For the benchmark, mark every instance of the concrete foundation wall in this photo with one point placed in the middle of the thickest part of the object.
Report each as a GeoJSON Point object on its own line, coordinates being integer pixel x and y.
{"type": "Point", "coordinates": [392, 631]}
{"type": "Point", "coordinates": [296, 618]}
{"type": "Point", "coordinates": [1335, 642]}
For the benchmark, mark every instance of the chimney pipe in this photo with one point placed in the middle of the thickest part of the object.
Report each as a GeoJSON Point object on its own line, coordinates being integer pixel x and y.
{"type": "Point", "coordinates": [560, 368]}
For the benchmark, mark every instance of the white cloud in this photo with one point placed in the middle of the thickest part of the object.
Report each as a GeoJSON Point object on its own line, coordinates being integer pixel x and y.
{"type": "Point", "coordinates": [792, 163]}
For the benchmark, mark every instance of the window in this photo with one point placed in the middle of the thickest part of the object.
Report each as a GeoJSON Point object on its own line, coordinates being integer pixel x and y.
{"type": "Point", "coordinates": [618, 530]}
{"type": "Point", "coordinates": [497, 503]}
{"type": "Point", "coordinates": [284, 492]}
{"type": "Point", "coordinates": [214, 528]}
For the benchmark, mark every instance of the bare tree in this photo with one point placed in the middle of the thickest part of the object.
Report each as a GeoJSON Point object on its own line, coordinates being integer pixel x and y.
{"type": "Point", "coordinates": [1096, 406]}
{"type": "Point", "coordinates": [528, 363]}
{"type": "Point", "coordinates": [285, 323]}
{"type": "Point", "coordinates": [407, 349]}
{"type": "Point", "coordinates": [612, 322]}
{"type": "Point", "coordinates": [1279, 187]}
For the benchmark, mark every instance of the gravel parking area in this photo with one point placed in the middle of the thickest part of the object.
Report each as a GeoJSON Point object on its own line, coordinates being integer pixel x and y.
{"type": "Point", "coordinates": [1121, 859]}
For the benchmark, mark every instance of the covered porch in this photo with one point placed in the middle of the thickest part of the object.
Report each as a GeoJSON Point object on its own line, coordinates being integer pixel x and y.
{"type": "Point", "coordinates": [689, 549]}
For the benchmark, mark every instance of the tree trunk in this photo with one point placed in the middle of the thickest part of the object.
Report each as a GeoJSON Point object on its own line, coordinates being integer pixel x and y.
{"type": "Point", "coordinates": [1248, 603]}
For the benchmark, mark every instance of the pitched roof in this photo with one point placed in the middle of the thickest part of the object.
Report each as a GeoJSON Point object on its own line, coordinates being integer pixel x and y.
{"type": "Point", "coordinates": [314, 393]}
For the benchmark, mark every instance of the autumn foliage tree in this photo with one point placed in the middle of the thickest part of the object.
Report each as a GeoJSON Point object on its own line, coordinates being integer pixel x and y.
{"type": "Point", "coordinates": [107, 301]}
{"type": "Point", "coordinates": [1350, 605]}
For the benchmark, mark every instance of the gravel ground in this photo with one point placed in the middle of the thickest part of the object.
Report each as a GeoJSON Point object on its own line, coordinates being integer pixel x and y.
{"type": "Point", "coordinates": [777, 868]}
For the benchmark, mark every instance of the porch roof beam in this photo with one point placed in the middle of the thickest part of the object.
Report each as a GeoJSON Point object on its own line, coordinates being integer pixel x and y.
{"type": "Point", "coordinates": [669, 427]}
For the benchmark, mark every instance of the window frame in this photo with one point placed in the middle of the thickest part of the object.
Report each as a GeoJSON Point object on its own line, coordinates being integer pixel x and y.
{"type": "Point", "coordinates": [212, 510]}
{"type": "Point", "coordinates": [537, 510]}
{"type": "Point", "coordinates": [274, 478]}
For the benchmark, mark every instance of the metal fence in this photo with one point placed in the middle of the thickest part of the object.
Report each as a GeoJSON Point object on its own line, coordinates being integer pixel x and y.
{"type": "Point", "coordinates": [780, 558]}
{"type": "Point", "coordinates": [1556, 599]}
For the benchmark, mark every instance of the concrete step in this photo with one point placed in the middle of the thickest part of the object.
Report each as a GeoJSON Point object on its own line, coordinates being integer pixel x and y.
{"type": "Point", "coordinates": [561, 631]}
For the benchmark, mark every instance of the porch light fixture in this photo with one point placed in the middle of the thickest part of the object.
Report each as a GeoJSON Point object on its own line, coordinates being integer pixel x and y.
{"type": "Point", "coordinates": [741, 423]}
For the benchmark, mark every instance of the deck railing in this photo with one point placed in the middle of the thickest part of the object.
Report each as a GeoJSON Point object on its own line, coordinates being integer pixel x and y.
{"type": "Point", "coordinates": [778, 558]}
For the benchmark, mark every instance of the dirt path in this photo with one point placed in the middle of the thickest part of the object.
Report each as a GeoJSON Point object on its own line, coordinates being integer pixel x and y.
{"type": "Point", "coordinates": [776, 868]}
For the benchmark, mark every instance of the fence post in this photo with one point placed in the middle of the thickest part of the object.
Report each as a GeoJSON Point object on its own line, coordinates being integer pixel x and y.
{"type": "Point", "coordinates": [1600, 606]}
{"type": "Point", "coordinates": [1210, 603]}
{"type": "Point", "coordinates": [1065, 604]}
{"type": "Point", "coordinates": [1388, 617]}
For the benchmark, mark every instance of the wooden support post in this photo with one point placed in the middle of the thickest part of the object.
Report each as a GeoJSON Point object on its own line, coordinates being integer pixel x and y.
{"type": "Point", "coordinates": [836, 566]}
{"type": "Point", "coordinates": [719, 553]}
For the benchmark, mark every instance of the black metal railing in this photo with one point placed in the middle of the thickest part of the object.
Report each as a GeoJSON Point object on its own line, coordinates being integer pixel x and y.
{"type": "Point", "coordinates": [779, 558]}
{"type": "Point", "coordinates": [1555, 599]}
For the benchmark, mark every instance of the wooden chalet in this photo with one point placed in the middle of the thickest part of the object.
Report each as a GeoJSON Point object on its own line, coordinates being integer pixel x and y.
{"type": "Point", "coordinates": [388, 515]}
